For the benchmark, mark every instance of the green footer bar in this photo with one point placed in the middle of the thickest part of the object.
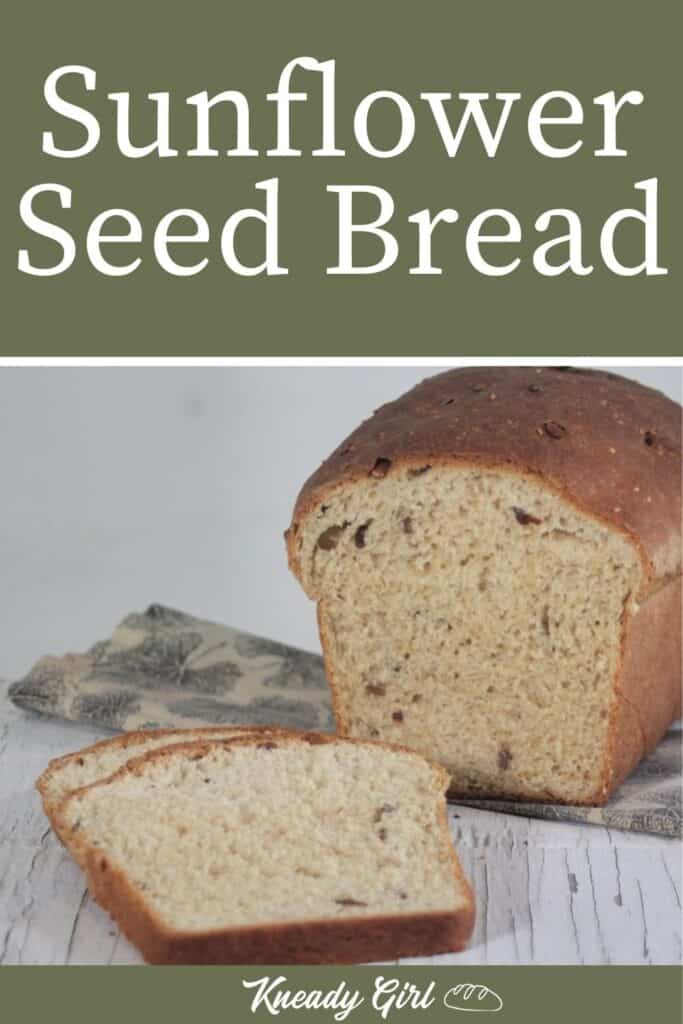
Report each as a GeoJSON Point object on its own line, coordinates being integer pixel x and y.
{"type": "Point", "coordinates": [357, 994]}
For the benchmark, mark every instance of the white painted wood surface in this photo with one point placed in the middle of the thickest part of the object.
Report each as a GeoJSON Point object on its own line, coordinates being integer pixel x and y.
{"type": "Point", "coordinates": [546, 892]}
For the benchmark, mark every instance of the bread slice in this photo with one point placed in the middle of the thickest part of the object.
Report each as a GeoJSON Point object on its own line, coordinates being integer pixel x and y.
{"type": "Point", "coordinates": [301, 848]}
{"type": "Point", "coordinates": [64, 775]}
{"type": "Point", "coordinates": [496, 558]}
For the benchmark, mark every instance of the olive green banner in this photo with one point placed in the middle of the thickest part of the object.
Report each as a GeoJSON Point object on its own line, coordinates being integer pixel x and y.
{"type": "Point", "coordinates": [361, 995]}
{"type": "Point", "coordinates": [520, 163]}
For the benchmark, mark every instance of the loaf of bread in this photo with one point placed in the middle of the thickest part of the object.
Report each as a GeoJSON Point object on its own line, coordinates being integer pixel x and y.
{"type": "Point", "coordinates": [298, 848]}
{"type": "Point", "coordinates": [496, 558]}
{"type": "Point", "coordinates": [64, 775]}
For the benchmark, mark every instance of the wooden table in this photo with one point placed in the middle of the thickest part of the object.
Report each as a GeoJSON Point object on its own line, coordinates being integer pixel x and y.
{"type": "Point", "coordinates": [547, 893]}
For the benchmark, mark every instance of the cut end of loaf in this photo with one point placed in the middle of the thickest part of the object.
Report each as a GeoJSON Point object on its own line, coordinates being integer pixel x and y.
{"type": "Point", "coordinates": [474, 614]}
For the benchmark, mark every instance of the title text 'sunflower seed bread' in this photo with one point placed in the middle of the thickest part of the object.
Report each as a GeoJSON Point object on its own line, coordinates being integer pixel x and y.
{"type": "Point", "coordinates": [298, 848]}
{"type": "Point", "coordinates": [496, 558]}
{"type": "Point", "coordinates": [70, 772]}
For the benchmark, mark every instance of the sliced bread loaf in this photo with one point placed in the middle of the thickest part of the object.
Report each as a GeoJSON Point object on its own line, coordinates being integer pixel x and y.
{"type": "Point", "coordinates": [64, 775]}
{"type": "Point", "coordinates": [294, 849]}
{"type": "Point", "coordinates": [496, 558]}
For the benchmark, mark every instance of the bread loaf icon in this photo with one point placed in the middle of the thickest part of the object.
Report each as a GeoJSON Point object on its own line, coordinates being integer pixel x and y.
{"type": "Point", "coordinates": [473, 999]}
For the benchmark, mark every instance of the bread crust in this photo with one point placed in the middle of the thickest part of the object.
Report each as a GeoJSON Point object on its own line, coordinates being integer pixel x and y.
{"type": "Point", "coordinates": [606, 445]}
{"type": "Point", "coordinates": [648, 687]}
{"type": "Point", "coordinates": [353, 940]}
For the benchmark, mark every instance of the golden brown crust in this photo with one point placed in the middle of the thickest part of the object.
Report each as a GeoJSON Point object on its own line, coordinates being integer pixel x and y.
{"type": "Point", "coordinates": [648, 692]}
{"type": "Point", "coordinates": [609, 445]}
{"type": "Point", "coordinates": [326, 941]}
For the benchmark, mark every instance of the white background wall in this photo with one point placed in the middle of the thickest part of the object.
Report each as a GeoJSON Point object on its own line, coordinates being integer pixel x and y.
{"type": "Point", "coordinates": [119, 487]}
